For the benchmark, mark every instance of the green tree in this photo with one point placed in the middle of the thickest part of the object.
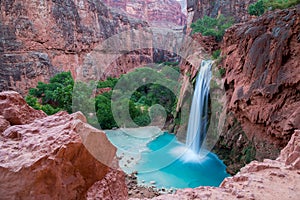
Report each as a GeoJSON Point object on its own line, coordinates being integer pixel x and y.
{"type": "Point", "coordinates": [260, 7]}
{"type": "Point", "coordinates": [208, 26]}
{"type": "Point", "coordinates": [257, 8]}
{"type": "Point", "coordinates": [104, 113]}
{"type": "Point", "coordinates": [108, 83]}
{"type": "Point", "coordinates": [55, 95]}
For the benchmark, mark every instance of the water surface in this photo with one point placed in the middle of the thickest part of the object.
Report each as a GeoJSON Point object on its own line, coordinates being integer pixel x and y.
{"type": "Point", "coordinates": [159, 157]}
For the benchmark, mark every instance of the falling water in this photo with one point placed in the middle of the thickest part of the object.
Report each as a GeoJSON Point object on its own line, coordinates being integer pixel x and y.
{"type": "Point", "coordinates": [198, 120]}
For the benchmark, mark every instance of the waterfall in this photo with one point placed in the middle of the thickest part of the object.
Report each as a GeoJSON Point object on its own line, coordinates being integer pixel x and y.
{"type": "Point", "coordinates": [198, 120]}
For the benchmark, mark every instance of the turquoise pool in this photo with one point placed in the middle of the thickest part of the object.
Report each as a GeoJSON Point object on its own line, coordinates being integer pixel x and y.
{"type": "Point", "coordinates": [160, 159]}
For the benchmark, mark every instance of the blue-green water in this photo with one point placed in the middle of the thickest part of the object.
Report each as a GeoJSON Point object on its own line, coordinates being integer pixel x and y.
{"type": "Point", "coordinates": [160, 158]}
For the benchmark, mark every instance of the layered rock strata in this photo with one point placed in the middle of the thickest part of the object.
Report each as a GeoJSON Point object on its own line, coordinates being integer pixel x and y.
{"type": "Point", "coordinates": [166, 13]}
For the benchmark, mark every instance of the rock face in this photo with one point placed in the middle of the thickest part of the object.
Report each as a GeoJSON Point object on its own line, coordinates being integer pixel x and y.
{"type": "Point", "coordinates": [237, 9]}
{"type": "Point", "coordinates": [159, 14]}
{"type": "Point", "coordinates": [112, 186]}
{"type": "Point", "coordinates": [55, 157]}
{"type": "Point", "coordinates": [270, 179]}
{"type": "Point", "coordinates": [262, 81]}
{"type": "Point", "coordinates": [41, 38]}
{"type": "Point", "coordinates": [165, 13]}
{"type": "Point", "coordinates": [291, 153]}
{"type": "Point", "coordinates": [15, 110]}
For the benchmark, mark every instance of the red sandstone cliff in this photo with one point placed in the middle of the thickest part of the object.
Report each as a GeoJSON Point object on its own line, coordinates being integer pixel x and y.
{"type": "Point", "coordinates": [234, 8]}
{"type": "Point", "coordinates": [40, 38]}
{"type": "Point", "coordinates": [165, 13]}
{"type": "Point", "coordinates": [262, 82]}
{"type": "Point", "coordinates": [231, 8]}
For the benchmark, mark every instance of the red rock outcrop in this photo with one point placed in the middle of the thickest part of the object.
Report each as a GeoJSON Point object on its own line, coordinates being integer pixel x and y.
{"type": "Point", "coordinates": [111, 187]}
{"type": "Point", "coordinates": [40, 38]}
{"type": "Point", "coordinates": [54, 157]}
{"type": "Point", "coordinates": [15, 110]}
{"type": "Point", "coordinates": [165, 13]}
{"type": "Point", "coordinates": [262, 79]}
{"type": "Point", "coordinates": [270, 179]}
{"type": "Point", "coordinates": [291, 153]}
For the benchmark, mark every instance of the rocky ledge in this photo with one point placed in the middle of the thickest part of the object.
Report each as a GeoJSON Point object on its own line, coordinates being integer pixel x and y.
{"type": "Point", "coordinates": [54, 157]}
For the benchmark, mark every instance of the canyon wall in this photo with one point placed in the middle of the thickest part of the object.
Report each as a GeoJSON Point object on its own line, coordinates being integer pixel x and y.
{"type": "Point", "coordinates": [234, 8]}
{"type": "Point", "coordinates": [165, 13]}
{"type": "Point", "coordinates": [230, 8]}
{"type": "Point", "coordinates": [40, 38]}
{"type": "Point", "coordinates": [262, 83]}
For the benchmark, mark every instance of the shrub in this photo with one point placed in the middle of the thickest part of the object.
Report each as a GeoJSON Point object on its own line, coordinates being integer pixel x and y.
{"type": "Point", "coordinates": [104, 113]}
{"type": "Point", "coordinates": [208, 26]}
{"type": "Point", "coordinates": [216, 54]}
{"type": "Point", "coordinates": [257, 8]}
{"type": "Point", "coordinates": [222, 72]}
{"type": "Point", "coordinates": [54, 96]}
{"type": "Point", "coordinates": [261, 6]}
{"type": "Point", "coordinates": [108, 83]}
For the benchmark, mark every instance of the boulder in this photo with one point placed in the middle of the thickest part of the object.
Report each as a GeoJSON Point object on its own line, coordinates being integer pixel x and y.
{"type": "Point", "coordinates": [55, 157]}
{"type": "Point", "coordinates": [16, 111]}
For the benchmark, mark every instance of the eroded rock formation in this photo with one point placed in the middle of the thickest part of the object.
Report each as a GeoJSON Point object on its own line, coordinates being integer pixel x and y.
{"type": "Point", "coordinates": [54, 157]}
{"type": "Point", "coordinates": [40, 38]}
{"type": "Point", "coordinates": [15, 110]}
{"type": "Point", "coordinates": [270, 179]}
{"type": "Point", "coordinates": [262, 82]}
{"type": "Point", "coordinates": [166, 13]}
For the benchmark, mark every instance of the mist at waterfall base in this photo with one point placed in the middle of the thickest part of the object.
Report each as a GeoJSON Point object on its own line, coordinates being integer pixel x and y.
{"type": "Point", "coordinates": [160, 158]}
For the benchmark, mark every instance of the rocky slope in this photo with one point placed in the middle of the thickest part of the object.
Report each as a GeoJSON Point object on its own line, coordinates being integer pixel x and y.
{"type": "Point", "coordinates": [165, 13]}
{"type": "Point", "coordinates": [55, 157]}
{"type": "Point", "coordinates": [270, 179]}
{"type": "Point", "coordinates": [262, 84]}
{"type": "Point", "coordinates": [40, 38]}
